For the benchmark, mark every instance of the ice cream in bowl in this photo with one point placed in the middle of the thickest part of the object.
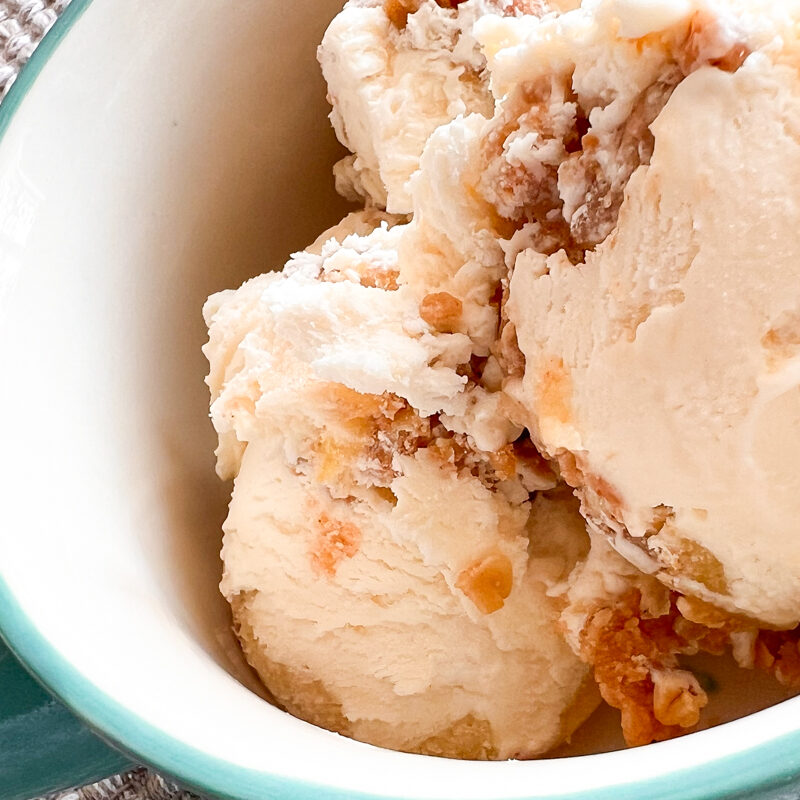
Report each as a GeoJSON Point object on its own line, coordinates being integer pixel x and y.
{"type": "Point", "coordinates": [501, 411]}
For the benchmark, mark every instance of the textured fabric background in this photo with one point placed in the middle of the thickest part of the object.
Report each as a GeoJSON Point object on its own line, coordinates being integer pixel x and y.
{"type": "Point", "coordinates": [140, 784]}
{"type": "Point", "coordinates": [22, 25]}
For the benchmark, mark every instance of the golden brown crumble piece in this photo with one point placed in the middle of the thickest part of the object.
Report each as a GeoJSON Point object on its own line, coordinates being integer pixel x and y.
{"type": "Point", "coordinates": [570, 199]}
{"type": "Point", "coordinates": [380, 279]}
{"type": "Point", "coordinates": [626, 652]}
{"type": "Point", "coordinates": [490, 468]}
{"type": "Point", "coordinates": [660, 516]}
{"type": "Point", "coordinates": [488, 582]}
{"type": "Point", "coordinates": [398, 11]}
{"type": "Point", "coordinates": [351, 404]}
{"type": "Point", "coordinates": [778, 652]}
{"type": "Point", "coordinates": [503, 462]}
{"type": "Point", "coordinates": [517, 194]}
{"type": "Point", "coordinates": [698, 563]}
{"type": "Point", "coordinates": [335, 541]}
{"type": "Point", "coordinates": [677, 697]}
{"type": "Point", "coordinates": [401, 434]}
{"type": "Point", "coordinates": [372, 429]}
{"type": "Point", "coordinates": [370, 276]}
{"type": "Point", "coordinates": [636, 668]}
{"type": "Point", "coordinates": [441, 311]}
{"type": "Point", "coordinates": [632, 146]}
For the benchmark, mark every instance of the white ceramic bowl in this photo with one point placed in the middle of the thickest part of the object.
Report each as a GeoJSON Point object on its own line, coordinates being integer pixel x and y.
{"type": "Point", "coordinates": [154, 152]}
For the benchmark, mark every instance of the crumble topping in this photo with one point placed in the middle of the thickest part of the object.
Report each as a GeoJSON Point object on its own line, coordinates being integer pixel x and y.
{"type": "Point", "coordinates": [488, 582]}
{"type": "Point", "coordinates": [635, 657]}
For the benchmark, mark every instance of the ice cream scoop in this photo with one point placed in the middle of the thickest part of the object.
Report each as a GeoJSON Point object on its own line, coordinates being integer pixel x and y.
{"type": "Point", "coordinates": [660, 335]}
{"type": "Point", "coordinates": [396, 70]}
{"type": "Point", "coordinates": [389, 578]}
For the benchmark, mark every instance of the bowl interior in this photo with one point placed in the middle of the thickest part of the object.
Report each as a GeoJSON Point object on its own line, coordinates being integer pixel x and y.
{"type": "Point", "coordinates": [165, 152]}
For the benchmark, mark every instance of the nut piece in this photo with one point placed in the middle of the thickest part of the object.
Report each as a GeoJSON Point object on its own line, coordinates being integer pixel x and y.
{"type": "Point", "coordinates": [693, 561]}
{"type": "Point", "coordinates": [677, 697]}
{"type": "Point", "coordinates": [335, 542]}
{"type": "Point", "coordinates": [503, 462]}
{"type": "Point", "coordinates": [441, 311]}
{"type": "Point", "coordinates": [487, 582]}
{"type": "Point", "coordinates": [398, 11]}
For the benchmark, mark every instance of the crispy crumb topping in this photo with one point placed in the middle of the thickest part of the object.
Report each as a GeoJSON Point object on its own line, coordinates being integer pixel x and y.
{"type": "Point", "coordinates": [442, 311]}
{"type": "Point", "coordinates": [335, 542]}
{"type": "Point", "coordinates": [488, 582]}
{"type": "Point", "coordinates": [636, 666]}
{"type": "Point", "coordinates": [548, 168]}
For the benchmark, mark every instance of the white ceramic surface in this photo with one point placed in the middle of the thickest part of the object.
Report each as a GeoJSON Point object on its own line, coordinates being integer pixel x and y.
{"type": "Point", "coordinates": [167, 150]}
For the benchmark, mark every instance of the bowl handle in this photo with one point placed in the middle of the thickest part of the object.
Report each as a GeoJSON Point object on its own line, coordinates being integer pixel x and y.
{"type": "Point", "coordinates": [43, 747]}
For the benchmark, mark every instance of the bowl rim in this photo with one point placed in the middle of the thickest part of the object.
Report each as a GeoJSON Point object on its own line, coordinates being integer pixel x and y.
{"type": "Point", "coordinates": [769, 763]}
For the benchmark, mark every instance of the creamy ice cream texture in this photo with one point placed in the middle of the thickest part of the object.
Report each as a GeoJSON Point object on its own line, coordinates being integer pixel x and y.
{"type": "Point", "coordinates": [589, 255]}
{"type": "Point", "coordinates": [389, 580]}
{"type": "Point", "coordinates": [665, 361]}
{"type": "Point", "coordinates": [396, 70]}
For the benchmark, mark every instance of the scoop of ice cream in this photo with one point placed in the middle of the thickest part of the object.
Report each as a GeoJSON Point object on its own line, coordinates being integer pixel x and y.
{"type": "Point", "coordinates": [278, 343]}
{"type": "Point", "coordinates": [665, 407]}
{"type": "Point", "coordinates": [662, 350]}
{"type": "Point", "coordinates": [396, 70]}
{"type": "Point", "coordinates": [389, 578]}
{"type": "Point", "coordinates": [380, 617]}
{"type": "Point", "coordinates": [547, 172]}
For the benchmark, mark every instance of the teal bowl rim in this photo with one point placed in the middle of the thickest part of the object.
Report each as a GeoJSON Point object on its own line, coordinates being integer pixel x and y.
{"type": "Point", "coordinates": [765, 766]}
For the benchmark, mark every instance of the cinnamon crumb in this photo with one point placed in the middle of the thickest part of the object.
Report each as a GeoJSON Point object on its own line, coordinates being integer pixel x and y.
{"type": "Point", "coordinates": [677, 697]}
{"type": "Point", "coordinates": [380, 278]}
{"type": "Point", "coordinates": [778, 652]}
{"type": "Point", "coordinates": [488, 582]}
{"type": "Point", "coordinates": [398, 11]}
{"type": "Point", "coordinates": [441, 311]}
{"type": "Point", "coordinates": [503, 462]}
{"type": "Point", "coordinates": [335, 541]}
{"type": "Point", "coordinates": [625, 651]}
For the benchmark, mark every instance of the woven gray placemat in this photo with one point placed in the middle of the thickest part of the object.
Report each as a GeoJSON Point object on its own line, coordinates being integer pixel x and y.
{"type": "Point", "coordinates": [23, 23]}
{"type": "Point", "coordinates": [139, 784]}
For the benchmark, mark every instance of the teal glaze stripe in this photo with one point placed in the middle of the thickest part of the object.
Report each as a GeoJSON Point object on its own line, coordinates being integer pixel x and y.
{"type": "Point", "coordinates": [761, 768]}
{"type": "Point", "coordinates": [40, 56]}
